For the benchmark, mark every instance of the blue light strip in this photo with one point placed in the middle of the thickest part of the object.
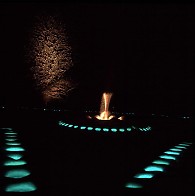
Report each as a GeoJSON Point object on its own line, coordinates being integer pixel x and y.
{"type": "Point", "coordinates": [14, 149]}
{"type": "Point", "coordinates": [105, 129]}
{"type": "Point", "coordinates": [159, 164]}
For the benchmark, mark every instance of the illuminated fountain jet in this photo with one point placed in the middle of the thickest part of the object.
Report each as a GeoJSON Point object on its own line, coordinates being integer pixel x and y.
{"type": "Point", "coordinates": [105, 114]}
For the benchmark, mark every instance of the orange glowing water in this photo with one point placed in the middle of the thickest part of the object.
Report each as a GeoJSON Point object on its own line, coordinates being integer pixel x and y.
{"type": "Point", "coordinates": [104, 108]}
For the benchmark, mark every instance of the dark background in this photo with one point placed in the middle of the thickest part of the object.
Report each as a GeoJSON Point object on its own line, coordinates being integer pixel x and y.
{"type": "Point", "coordinates": [143, 53]}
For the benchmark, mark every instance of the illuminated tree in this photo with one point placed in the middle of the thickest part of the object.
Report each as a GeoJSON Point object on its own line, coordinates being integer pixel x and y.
{"type": "Point", "coordinates": [51, 57]}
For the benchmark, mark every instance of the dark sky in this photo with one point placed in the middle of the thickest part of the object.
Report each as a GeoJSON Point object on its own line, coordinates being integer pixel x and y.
{"type": "Point", "coordinates": [143, 53]}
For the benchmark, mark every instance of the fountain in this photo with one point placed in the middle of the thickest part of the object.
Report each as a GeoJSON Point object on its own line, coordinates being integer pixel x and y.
{"type": "Point", "coordinates": [105, 114]}
{"type": "Point", "coordinates": [104, 122]}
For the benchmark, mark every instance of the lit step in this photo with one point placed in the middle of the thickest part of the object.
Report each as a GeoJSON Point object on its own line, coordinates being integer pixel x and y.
{"type": "Point", "coordinates": [14, 162]}
{"type": "Point", "coordinates": [15, 156]}
{"type": "Point", "coordinates": [21, 187]}
{"type": "Point", "coordinates": [133, 185]}
{"type": "Point", "coordinates": [144, 175]}
{"type": "Point", "coordinates": [17, 173]}
{"type": "Point", "coordinates": [154, 168]}
{"type": "Point", "coordinates": [14, 149]}
{"type": "Point", "coordinates": [161, 162]}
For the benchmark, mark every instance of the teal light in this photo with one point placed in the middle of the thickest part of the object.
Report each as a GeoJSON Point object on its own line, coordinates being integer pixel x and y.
{"type": "Point", "coordinates": [11, 139]}
{"type": "Point", "coordinates": [129, 129]}
{"type": "Point", "coordinates": [14, 149]}
{"type": "Point", "coordinates": [11, 136]}
{"type": "Point", "coordinates": [154, 168]}
{"type": "Point", "coordinates": [181, 147]}
{"type": "Point", "coordinates": [76, 126]}
{"type": "Point", "coordinates": [10, 133]}
{"type": "Point", "coordinates": [176, 149]}
{"type": "Point", "coordinates": [114, 130]}
{"type": "Point", "coordinates": [21, 187]}
{"type": "Point", "coordinates": [15, 156]}
{"type": "Point", "coordinates": [133, 185]}
{"type": "Point", "coordinates": [105, 129]}
{"type": "Point", "coordinates": [173, 153]}
{"type": "Point", "coordinates": [90, 128]}
{"type": "Point", "coordinates": [14, 163]}
{"type": "Point", "coordinates": [82, 127]}
{"type": "Point", "coordinates": [60, 123]}
{"type": "Point", "coordinates": [70, 125]}
{"type": "Point", "coordinates": [8, 128]}
{"type": "Point", "coordinates": [13, 143]}
{"type": "Point", "coordinates": [144, 175]}
{"type": "Point", "coordinates": [187, 142]}
{"type": "Point", "coordinates": [98, 129]}
{"type": "Point", "coordinates": [184, 144]}
{"type": "Point", "coordinates": [140, 129]}
{"type": "Point", "coordinates": [161, 162]}
{"type": "Point", "coordinates": [17, 173]}
{"type": "Point", "coordinates": [167, 157]}
{"type": "Point", "coordinates": [121, 130]}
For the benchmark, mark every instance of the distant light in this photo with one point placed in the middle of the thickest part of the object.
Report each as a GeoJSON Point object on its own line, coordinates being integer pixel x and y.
{"type": "Point", "coordinates": [21, 187]}
{"type": "Point", "coordinates": [82, 127]}
{"type": "Point", "coordinates": [76, 126]}
{"type": "Point", "coordinates": [144, 175]}
{"type": "Point", "coordinates": [15, 156]}
{"type": "Point", "coordinates": [129, 129]}
{"type": "Point", "coordinates": [10, 133]}
{"type": "Point", "coordinates": [90, 128]}
{"type": "Point", "coordinates": [70, 125]}
{"type": "Point", "coordinates": [176, 149]}
{"type": "Point", "coordinates": [188, 142]}
{"type": "Point", "coordinates": [105, 129]}
{"type": "Point", "coordinates": [8, 128]}
{"type": "Point", "coordinates": [181, 147]}
{"type": "Point", "coordinates": [11, 136]}
{"type": "Point", "coordinates": [167, 157]}
{"type": "Point", "coordinates": [14, 163]}
{"type": "Point", "coordinates": [121, 130]}
{"type": "Point", "coordinates": [17, 173]}
{"type": "Point", "coordinates": [60, 123]}
{"type": "Point", "coordinates": [133, 185]}
{"type": "Point", "coordinates": [114, 130]}
{"type": "Point", "coordinates": [161, 162]}
{"type": "Point", "coordinates": [154, 168]}
{"type": "Point", "coordinates": [11, 139]}
{"type": "Point", "coordinates": [13, 143]}
{"type": "Point", "coordinates": [98, 129]}
{"type": "Point", "coordinates": [149, 128]}
{"type": "Point", "coordinates": [184, 144]}
{"type": "Point", "coordinates": [14, 149]}
{"type": "Point", "coordinates": [173, 153]}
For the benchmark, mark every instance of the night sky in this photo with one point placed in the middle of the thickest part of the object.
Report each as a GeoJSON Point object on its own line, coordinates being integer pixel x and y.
{"type": "Point", "coordinates": [143, 53]}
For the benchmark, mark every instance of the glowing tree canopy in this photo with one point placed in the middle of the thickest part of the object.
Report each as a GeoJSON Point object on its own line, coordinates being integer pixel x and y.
{"type": "Point", "coordinates": [51, 57]}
